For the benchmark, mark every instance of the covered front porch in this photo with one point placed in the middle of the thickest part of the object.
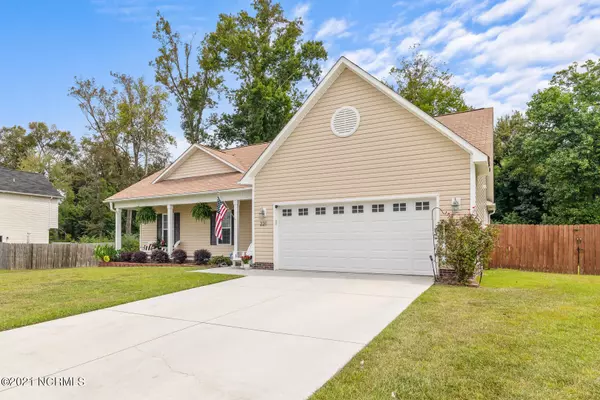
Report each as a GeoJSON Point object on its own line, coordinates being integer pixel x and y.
{"type": "Point", "coordinates": [175, 227]}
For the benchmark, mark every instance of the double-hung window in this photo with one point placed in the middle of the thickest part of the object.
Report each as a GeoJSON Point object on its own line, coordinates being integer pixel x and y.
{"type": "Point", "coordinates": [227, 223]}
{"type": "Point", "coordinates": [165, 227]}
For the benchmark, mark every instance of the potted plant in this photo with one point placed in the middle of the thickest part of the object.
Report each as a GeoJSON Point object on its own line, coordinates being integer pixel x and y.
{"type": "Point", "coordinates": [246, 260]}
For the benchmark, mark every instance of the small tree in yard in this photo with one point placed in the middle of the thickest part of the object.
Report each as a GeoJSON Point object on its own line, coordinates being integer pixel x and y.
{"type": "Point", "coordinates": [463, 245]}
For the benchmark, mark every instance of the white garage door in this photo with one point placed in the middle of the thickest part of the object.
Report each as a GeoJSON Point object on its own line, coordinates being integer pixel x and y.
{"type": "Point", "coordinates": [392, 237]}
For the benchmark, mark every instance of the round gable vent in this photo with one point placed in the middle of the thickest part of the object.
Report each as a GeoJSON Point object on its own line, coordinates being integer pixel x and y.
{"type": "Point", "coordinates": [345, 121]}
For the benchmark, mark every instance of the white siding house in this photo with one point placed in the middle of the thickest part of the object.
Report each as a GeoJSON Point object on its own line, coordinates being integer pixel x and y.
{"type": "Point", "coordinates": [28, 207]}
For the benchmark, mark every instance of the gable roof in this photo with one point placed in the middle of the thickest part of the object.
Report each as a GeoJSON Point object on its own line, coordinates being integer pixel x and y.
{"type": "Point", "coordinates": [475, 126]}
{"type": "Point", "coordinates": [12, 181]}
{"type": "Point", "coordinates": [225, 158]}
{"type": "Point", "coordinates": [342, 64]}
{"type": "Point", "coordinates": [242, 157]}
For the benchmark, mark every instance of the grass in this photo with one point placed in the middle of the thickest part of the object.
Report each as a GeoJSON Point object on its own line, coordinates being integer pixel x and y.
{"type": "Point", "coordinates": [29, 297]}
{"type": "Point", "coordinates": [522, 335]}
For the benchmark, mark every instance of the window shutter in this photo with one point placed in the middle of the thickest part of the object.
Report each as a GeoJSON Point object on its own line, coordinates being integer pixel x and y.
{"type": "Point", "coordinates": [177, 226]}
{"type": "Point", "coordinates": [213, 238]}
{"type": "Point", "coordinates": [232, 228]}
{"type": "Point", "coordinates": [158, 226]}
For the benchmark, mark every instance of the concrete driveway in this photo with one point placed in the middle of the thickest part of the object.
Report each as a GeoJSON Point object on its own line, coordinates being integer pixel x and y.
{"type": "Point", "coordinates": [270, 335]}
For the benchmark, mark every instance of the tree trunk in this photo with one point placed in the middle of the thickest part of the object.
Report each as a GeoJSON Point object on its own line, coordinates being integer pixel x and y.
{"type": "Point", "coordinates": [129, 222]}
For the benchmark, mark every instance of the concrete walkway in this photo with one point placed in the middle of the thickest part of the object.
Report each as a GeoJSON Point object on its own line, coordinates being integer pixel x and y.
{"type": "Point", "coordinates": [270, 335]}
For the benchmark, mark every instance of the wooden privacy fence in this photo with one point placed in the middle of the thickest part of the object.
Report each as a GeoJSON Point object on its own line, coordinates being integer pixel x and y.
{"type": "Point", "coordinates": [46, 256]}
{"type": "Point", "coordinates": [548, 248]}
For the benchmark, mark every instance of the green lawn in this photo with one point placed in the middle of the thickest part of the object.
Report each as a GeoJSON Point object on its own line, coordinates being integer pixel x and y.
{"type": "Point", "coordinates": [28, 297]}
{"type": "Point", "coordinates": [522, 335]}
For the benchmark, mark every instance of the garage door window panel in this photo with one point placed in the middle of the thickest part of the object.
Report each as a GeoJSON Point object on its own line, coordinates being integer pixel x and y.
{"type": "Point", "coordinates": [320, 211]}
{"type": "Point", "coordinates": [378, 208]}
{"type": "Point", "coordinates": [303, 212]}
{"type": "Point", "coordinates": [422, 205]}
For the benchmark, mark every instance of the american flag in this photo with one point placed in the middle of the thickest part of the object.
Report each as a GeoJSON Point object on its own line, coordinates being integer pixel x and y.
{"type": "Point", "coordinates": [221, 211]}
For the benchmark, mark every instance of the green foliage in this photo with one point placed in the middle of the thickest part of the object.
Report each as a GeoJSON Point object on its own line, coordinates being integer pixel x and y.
{"type": "Point", "coordinates": [220, 260]}
{"type": "Point", "coordinates": [463, 244]}
{"type": "Point", "coordinates": [106, 250]}
{"type": "Point", "coordinates": [179, 256]}
{"type": "Point", "coordinates": [548, 161]}
{"type": "Point", "coordinates": [202, 212]}
{"type": "Point", "coordinates": [194, 90]}
{"type": "Point", "coordinates": [94, 239]}
{"type": "Point", "coordinates": [266, 54]}
{"type": "Point", "coordinates": [130, 243]}
{"type": "Point", "coordinates": [426, 83]}
{"type": "Point", "coordinates": [159, 256]}
{"type": "Point", "coordinates": [145, 215]}
{"type": "Point", "coordinates": [202, 256]}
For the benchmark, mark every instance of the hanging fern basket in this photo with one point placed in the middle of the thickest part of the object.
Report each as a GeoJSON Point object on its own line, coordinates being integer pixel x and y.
{"type": "Point", "coordinates": [201, 212]}
{"type": "Point", "coordinates": [145, 215]}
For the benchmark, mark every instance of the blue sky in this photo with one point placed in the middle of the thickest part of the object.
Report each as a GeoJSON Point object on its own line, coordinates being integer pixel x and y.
{"type": "Point", "coordinates": [500, 51]}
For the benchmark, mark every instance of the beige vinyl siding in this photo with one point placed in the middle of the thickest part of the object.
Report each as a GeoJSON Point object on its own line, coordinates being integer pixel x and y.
{"type": "Point", "coordinates": [22, 215]}
{"type": "Point", "coordinates": [392, 153]}
{"type": "Point", "coordinates": [199, 164]}
{"type": "Point", "coordinates": [195, 235]}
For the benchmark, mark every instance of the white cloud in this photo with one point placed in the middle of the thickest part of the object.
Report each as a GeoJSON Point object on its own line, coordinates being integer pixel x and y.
{"type": "Point", "coordinates": [179, 147]}
{"type": "Point", "coordinates": [377, 63]}
{"type": "Point", "coordinates": [333, 27]}
{"type": "Point", "coordinates": [301, 10]}
{"type": "Point", "coordinates": [503, 10]}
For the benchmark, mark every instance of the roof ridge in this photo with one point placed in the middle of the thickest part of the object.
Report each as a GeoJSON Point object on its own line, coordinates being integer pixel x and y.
{"type": "Point", "coordinates": [248, 145]}
{"type": "Point", "coordinates": [464, 112]}
{"type": "Point", "coordinates": [24, 172]}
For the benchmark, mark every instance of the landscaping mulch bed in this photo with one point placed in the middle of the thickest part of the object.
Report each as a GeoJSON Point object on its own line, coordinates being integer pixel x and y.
{"type": "Point", "coordinates": [130, 264]}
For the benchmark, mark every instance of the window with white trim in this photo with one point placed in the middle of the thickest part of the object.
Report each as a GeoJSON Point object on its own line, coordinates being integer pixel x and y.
{"type": "Point", "coordinates": [226, 228]}
{"type": "Point", "coordinates": [338, 209]}
{"type": "Point", "coordinates": [358, 209]}
{"type": "Point", "coordinates": [320, 210]}
{"type": "Point", "coordinates": [399, 207]}
{"type": "Point", "coordinates": [302, 211]}
{"type": "Point", "coordinates": [422, 205]}
{"type": "Point", "coordinates": [165, 227]}
{"type": "Point", "coordinates": [377, 208]}
{"type": "Point", "coordinates": [287, 212]}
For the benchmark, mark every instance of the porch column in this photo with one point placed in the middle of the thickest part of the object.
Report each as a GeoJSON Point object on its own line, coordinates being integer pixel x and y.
{"type": "Point", "coordinates": [236, 225]}
{"type": "Point", "coordinates": [170, 230]}
{"type": "Point", "coordinates": [118, 229]}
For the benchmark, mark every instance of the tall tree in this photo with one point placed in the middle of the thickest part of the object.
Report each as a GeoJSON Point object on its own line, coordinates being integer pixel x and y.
{"type": "Point", "coordinates": [266, 54]}
{"type": "Point", "coordinates": [564, 143]}
{"type": "Point", "coordinates": [519, 187]}
{"type": "Point", "coordinates": [128, 138]}
{"type": "Point", "coordinates": [194, 88]}
{"type": "Point", "coordinates": [15, 145]}
{"type": "Point", "coordinates": [427, 83]}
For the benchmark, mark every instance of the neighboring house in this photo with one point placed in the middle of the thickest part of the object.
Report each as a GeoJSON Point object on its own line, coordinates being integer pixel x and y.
{"type": "Point", "coordinates": [28, 207]}
{"type": "Point", "coordinates": [354, 182]}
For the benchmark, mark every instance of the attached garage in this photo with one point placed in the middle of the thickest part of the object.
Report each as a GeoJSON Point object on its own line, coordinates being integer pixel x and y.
{"type": "Point", "coordinates": [375, 236]}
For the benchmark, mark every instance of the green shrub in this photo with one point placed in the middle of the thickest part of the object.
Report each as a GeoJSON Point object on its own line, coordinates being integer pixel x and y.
{"type": "Point", "coordinates": [94, 239]}
{"type": "Point", "coordinates": [139, 257]}
{"type": "Point", "coordinates": [220, 260]}
{"type": "Point", "coordinates": [130, 243]}
{"type": "Point", "coordinates": [202, 256]}
{"type": "Point", "coordinates": [179, 256]}
{"type": "Point", "coordinates": [159, 256]}
{"type": "Point", "coordinates": [463, 244]}
{"type": "Point", "coordinates": [104, 250]}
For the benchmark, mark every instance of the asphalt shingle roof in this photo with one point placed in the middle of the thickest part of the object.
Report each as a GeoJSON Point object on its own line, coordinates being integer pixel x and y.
{"type": "Point", "coordinates": [26, 182]}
